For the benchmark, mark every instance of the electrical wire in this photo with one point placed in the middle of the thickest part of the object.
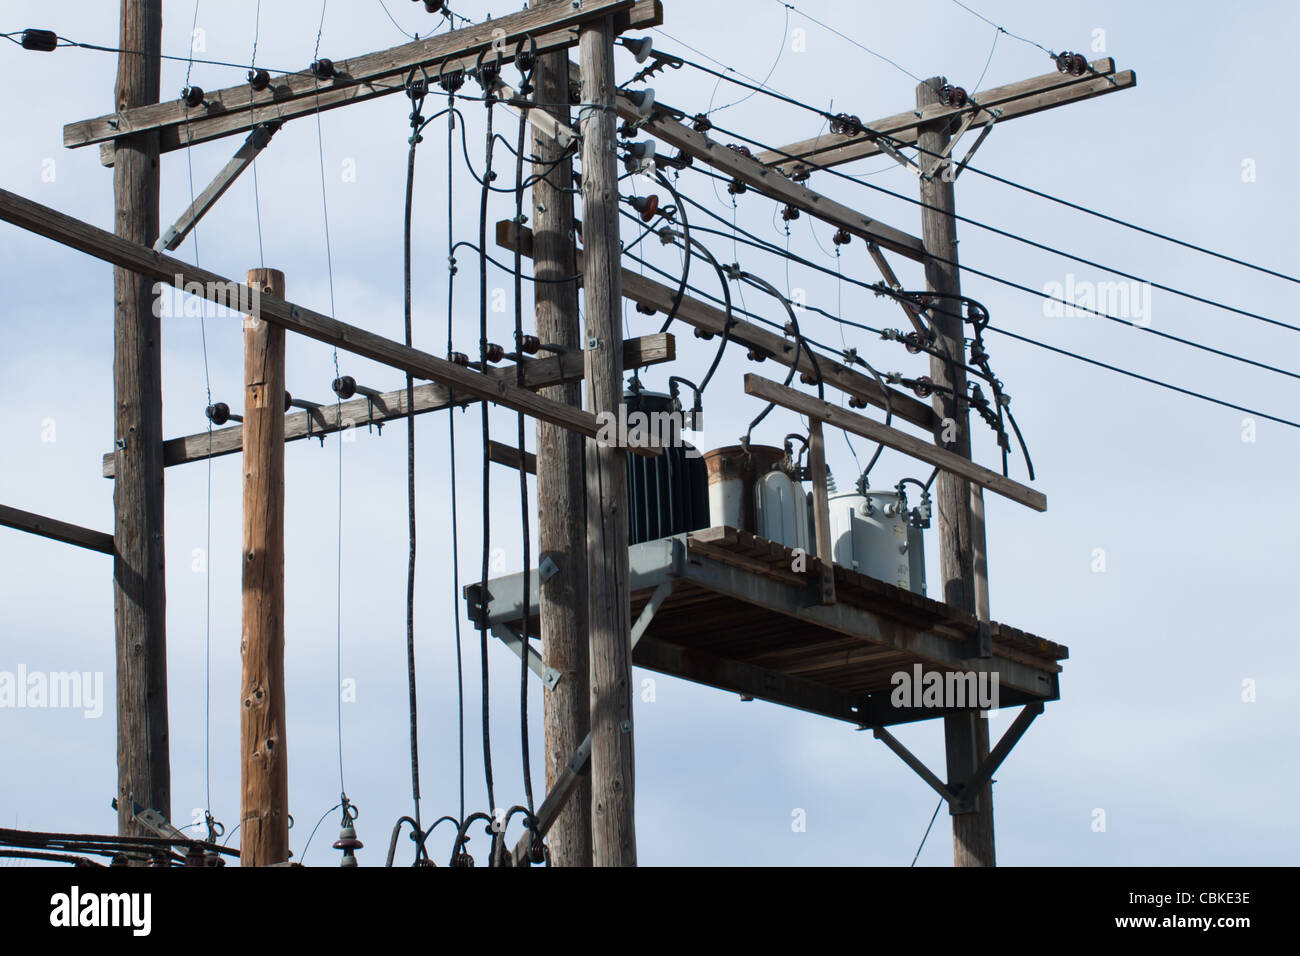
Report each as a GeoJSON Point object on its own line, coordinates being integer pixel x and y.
{"type": "Point", "coordinates": [523, 471]}
{"type": "Point", "coordinates": [849, 39]}
{"type": "Point", "coordinates": [451, 452]}
{"type": "Point", "coordinates": [980, 172]}
{"type": "Point", "coordinates": [1082, 260]}
{"type": "Point", "coordinates": [487, 463]}
{"type": "Point", "coordinates": [417, 102]}
{"type": "Point", "coordinates": [934, 815]}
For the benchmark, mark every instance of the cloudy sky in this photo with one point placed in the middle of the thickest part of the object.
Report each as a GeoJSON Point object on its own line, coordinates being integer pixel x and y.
{"type": "Point", "coordinates": [1177, 718]}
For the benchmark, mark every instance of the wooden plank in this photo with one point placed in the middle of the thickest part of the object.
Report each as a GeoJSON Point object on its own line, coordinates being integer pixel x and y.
{"type": "Point", "coordinates": [708, 318]}
{"type": "Point", "coordinates": [55, 225]}
{"type": "Point", "coordinates": [644, 13]}
{"type": "Point", "coordinates": [508, 455]}
{"type": "Point", "coordinates": [1021, 98]}
{"type": "Point", "coordinates": [849, 421]}
{"type": "Point", "coordinates": [765, 180]}
{"type": "Point", "coordinates": [370, 75]}
{"type": "Point", "coordinates": [243, 158]}
{"type": "Point", "coordinates": [391, 406]}
{"type": "Point", "coordinates": [264, 767]}
{"type": "Point", "coordinates": [56, 530]}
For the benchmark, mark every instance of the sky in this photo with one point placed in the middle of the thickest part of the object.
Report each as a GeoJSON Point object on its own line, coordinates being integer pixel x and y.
{"type": "Point", "coordinates": [1161, 561]}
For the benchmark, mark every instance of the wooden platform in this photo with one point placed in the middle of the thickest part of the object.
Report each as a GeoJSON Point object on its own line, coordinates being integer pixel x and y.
{"type": "Point", "coordinates": [732, 614]}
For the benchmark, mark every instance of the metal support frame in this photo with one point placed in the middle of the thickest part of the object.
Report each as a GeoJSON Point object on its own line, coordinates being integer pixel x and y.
{"type": "Point", "coordinates": [958, 794]}
{"type": "Point", "coordinates": [651, 564]}
{"type": "Point", "coordinates": [507, 636]}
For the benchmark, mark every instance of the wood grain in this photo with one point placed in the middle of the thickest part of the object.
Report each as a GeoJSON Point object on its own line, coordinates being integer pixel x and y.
{"type": "Point", "coordinates": [712, 320]}
{"type": "Point", "coordinates": [139, 574]}
{"type": "Point", "coordinates": [264, 767]}
{"type": "Point", "coordinates": [391, 406]}
{"type": "Point", "coordinates": [608, 603]}
{"type": "Point", "coordinates": [56, 530]}
{"type": "Point", "coordinates": [148, 264]}
{"type": "Point", "coordinates": [561, 481]}
{"type": "Point", "coordinates": [945, 460]}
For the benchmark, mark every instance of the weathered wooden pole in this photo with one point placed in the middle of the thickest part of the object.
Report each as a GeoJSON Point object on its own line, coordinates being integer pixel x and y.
{"type": "Point", "coordinates": [139, 589]}
{"type": "Point", "coordinates": [966, 735]}
{"type": "Point", "coordinates": [561, 488]}
{"type": "Point", "coordinates": [608, 609]}
{"type": "Point", "coordinates": [264, 768]}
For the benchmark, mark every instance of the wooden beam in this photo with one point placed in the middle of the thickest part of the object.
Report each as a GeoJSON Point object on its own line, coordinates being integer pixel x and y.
{"type": "Point", "coordinates": [764, 180]}
{"type": "Point", "coordinates": [561, 481]}
{"type": "Point", "coordinates": [139, 564]}
{"type": "Point", "coordinates": [56, 530]}
{"type": "Point", "coordinates": [391, 406]}
{"type": "Point", "coordinates": [243, 158]}
{"type": "Point", "coordinates": [264, 767]}
{"type": "Point", "coordinates": [943, 459]}
{"type": "Point", "coordinates": [239, 109]}
{"type": "Point", "coordinates": [1022, 98]}
{"type": "Point", "coordinates": [509, 456]}
{"type": "Point", "coordinates": [148, 264]}
{"type": "Point", "coordinates": [569, 779]}
{"type": "Point", "coordinates": [613, 821]}
{"type": "Point", "coordinates": [708, 318]}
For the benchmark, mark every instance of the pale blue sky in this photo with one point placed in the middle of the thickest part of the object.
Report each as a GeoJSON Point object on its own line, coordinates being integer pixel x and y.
{"type": "Point", "coordinates": [1196, 523]}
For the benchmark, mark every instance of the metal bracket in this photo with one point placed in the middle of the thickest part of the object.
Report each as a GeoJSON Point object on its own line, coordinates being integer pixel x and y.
{"type": "Point", "coordinates": [945, 158]}
{"type": "Point", "coordinates": [564, 135]}
{"type": "Point", "coordinates": [650, 610]}
{"type": "Point", "coordinates": [961, 795]}
{"type": "Point", "coordinates": [548, 568]}
{"type": "Point", "coordinates": [507, 636]}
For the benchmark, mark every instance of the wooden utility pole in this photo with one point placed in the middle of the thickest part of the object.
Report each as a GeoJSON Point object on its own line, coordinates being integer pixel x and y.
{"type": "Point", "coordinates": [966, 735]}
{"type": "Point", "coordinates": [139, 592]}
{"type": "Point", "coordinates": [608, 609]}
{"type": "Point", "coordinates": [561, 489]}
{"type": "Point", "coordinates": [264, 768]}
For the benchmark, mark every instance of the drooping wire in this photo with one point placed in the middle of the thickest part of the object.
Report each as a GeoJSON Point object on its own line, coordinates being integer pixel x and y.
{"type": "Point", "coordinates": [523, 471]}
{"type": "Point", "coordinates": [207, 554]}
{"type": "Point", "coordinates": [1002, 29]}
{"type": "Point", "coordinates": [402, 30]}
{"type": "Point", "coordinates": [451, 452]}
{"type": "Point", "coordinates": [934, 815]}
{"type": "Point", "coordinates": [731, 73]}
{"type": "Point", "coordinates": [329, 264]}
{"type": "Point", "coordinates": [257, 197]}
{"type": "Point", "coordinates": [849, 39]}
{"type": "Point", "coordinates": [487, 464]}
{"type": "Point", "coordinates": [416, 95]}
{"type": "Point", "coordinates": [1050, 249]}
{"type": "Point", "coordinates": [785, 30]}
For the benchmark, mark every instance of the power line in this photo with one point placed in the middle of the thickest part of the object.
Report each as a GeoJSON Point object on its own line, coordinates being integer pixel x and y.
{"type": "Point", "coordinates": [1095, 362]}
{"type": "Point", "coordinates": [1002, 29]}
{"type": "Point", "coordinates": [1204, 300]}
{"type": "Point", "coordinates": [1232, 356]}
{"type": "Point", "coordinates": [1078, 207]}
{"type": "Point", "coordinates": [849, 39]}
